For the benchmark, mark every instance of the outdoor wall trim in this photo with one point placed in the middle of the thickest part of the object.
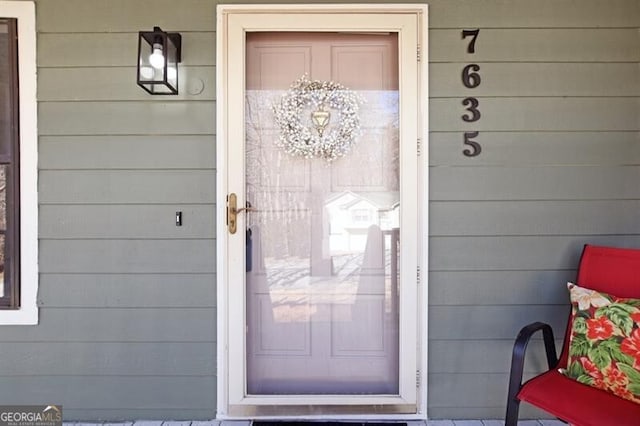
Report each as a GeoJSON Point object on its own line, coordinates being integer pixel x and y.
{"type": "Point", "coordinates": [25, 12]}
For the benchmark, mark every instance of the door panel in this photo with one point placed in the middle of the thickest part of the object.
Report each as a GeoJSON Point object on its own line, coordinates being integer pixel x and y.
{"type": "Point", "coordinates": [321, 299]}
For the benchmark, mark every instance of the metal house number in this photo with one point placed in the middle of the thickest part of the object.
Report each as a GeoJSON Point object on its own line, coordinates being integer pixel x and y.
{"type": "Point", "coordinates": [471, 79]}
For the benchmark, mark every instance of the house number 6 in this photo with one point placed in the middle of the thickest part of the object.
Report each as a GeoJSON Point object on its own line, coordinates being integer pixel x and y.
{"type": "Point", "coordinates": [471, 79]}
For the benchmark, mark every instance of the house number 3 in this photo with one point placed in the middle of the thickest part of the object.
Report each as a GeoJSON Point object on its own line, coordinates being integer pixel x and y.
{"type": "Point", "coordinates": [471, 79]}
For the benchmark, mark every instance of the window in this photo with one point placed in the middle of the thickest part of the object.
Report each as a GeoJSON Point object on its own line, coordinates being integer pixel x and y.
{"type": "Point", "coordinates": [361, 215]}
{"type": "Point", "coordinates": [18, 164]}
{"type": "Point", "coordinates": [9, 166]}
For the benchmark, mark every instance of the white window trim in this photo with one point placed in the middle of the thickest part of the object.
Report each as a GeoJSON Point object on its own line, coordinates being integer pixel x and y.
{"type": "Point", "coordinates": [25, 13]}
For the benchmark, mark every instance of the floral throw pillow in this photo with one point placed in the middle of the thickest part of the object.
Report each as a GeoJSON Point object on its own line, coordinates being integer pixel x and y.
{"type": "Point", "coordinates": [604, 348]}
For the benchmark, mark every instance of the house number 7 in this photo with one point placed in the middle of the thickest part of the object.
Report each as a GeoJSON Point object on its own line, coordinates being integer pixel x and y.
{"type": "Point", "coordinates": [470, 80]}
{"type": "Point", "coordinates": [471, 48]}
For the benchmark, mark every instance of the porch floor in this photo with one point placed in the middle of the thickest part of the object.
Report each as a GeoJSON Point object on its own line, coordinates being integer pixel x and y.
{"type": "Point", "coordinates": [248, 423]}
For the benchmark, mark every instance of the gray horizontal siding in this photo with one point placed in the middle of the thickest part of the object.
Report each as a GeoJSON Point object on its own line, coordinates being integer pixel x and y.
{"type": "Point", "coordinates": [104, 392]}
{"type": "Point", "coordinates": [491, 322]}
{"type": "Point", "coordinates": [128, 317]}
{"type": "Point", "coordinates": [117, 49]}
{"type": "Point", "coordinates": [534, 183]}
{"type": "Point", "coordinates": [125, 15]}
{"type": "Point", "coordinates": [121, 290]}
{"type": "Point", "coordinates": [128, 256]}
{"type": "Point", "coordinates": [558, 169]}
{"type": "Point", "coordinates": [127, 187]}
{"type": "Point", "coordinates": [127, 152]}
{"type": "Point", "coordinates": [127, 118]}
{"type": "Point", "coordinates": [497, 287]}
{"type": "Point", "coordinates": [515, 253]}
{"type": "Point", "coordinates": [539, 14]}
{"type": "Point", "coordinates": [610, 148]}
{"type": "Point", "coordinates": [536, 45]}
{"type": "Point", "coordinates": [115, 84]}
{"type": "Point", "coordinates": [538, 114]}
{"type": "Point", "coordinates": [481, 356]}
{"type": "Point", "coordinates": [140, 221]}
{"type": "Point", "coordinates": [472, 396]}
{"type": "Point", "coordinates": [117, 325]}
{"type": "Point", "coordinates": [470, 388]}
{"type": "Point", "coordinates": [532, 79]}
{"type": "Point", "coordinates": [97, 359]}
{"type": "Point", "coordinates": [520, 218]}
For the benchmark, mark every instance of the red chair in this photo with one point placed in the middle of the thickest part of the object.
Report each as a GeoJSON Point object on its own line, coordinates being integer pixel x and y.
{"type": "Point", "coordinates": [610, 270]}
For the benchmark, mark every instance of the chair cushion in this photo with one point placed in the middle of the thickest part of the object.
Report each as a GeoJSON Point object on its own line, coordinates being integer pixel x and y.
{"type": "Point", "coordinates": [604, 347]}
{"type": "Point", "coordinates": [611, 270]}
{"type": "Point", "coordinates": [577, 403]}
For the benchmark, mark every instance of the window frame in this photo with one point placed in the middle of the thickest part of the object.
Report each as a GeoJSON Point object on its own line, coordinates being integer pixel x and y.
{"type": "Point", "coordinates": [23, 309]}
{"type": "Point", "coordinates": [11, 286]}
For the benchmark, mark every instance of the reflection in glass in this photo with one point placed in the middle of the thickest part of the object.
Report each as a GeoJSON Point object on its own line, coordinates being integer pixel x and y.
{"type": "Point", "coordinates": [5, 90]}
{"type": "Point", "coordinates": [323, 241]}
{"type": "Point", "coordinates": [6, 124]}
{"type": "Point", "coordinates": [3, 222]}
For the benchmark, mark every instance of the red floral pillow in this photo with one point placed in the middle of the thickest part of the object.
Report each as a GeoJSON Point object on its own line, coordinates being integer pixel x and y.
{"type": "Point", "coordinates": [604, 348]}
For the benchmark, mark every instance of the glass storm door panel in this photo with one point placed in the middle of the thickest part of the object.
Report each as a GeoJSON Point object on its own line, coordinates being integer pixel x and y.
{"type": "Point", "coordinates": [322, 227]}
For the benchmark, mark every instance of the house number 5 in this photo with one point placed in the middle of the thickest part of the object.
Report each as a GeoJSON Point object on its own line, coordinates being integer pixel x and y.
{"type": "Point", "coordinates": [471, 79]}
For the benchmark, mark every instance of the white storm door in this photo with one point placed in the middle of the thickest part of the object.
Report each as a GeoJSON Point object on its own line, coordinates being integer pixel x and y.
{"type": "Point", "coordinates": [319, 274]}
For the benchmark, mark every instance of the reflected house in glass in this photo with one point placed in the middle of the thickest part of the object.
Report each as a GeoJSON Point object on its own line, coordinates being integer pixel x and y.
{"type": "Point", "coordinates": [351, 214]}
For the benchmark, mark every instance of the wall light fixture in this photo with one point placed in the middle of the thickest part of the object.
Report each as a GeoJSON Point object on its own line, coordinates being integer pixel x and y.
{"type": "Point", "coordinates": [159, 54]}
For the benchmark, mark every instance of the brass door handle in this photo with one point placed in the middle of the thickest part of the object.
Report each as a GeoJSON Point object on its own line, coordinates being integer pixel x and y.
{"type": "Point", "coordinates": [246, 209]}
{"type": "Point", "coordinates": [233, 211]}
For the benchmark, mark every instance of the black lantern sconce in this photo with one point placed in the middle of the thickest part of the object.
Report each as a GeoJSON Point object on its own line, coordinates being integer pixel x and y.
{"type": "Point", "coordinates": [158, 56]}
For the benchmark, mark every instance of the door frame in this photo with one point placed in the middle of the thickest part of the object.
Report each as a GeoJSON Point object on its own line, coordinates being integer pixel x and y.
{"type": "Point", "coordinates": [410, 22]}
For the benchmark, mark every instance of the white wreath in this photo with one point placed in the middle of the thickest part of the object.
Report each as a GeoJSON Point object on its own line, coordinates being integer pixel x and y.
{"type": "Point", "coordinates": [327, 137]}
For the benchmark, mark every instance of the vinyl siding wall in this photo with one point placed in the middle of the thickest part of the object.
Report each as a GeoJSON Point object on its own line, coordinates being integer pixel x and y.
{"type": "Point", "coordinates": [560, 108]}
{"type": "Point", "coordinates": [127, 327]}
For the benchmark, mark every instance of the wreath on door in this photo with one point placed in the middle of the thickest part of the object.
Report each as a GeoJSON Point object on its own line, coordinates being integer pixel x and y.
{"type": "Point", "coordinates": [318, 119]}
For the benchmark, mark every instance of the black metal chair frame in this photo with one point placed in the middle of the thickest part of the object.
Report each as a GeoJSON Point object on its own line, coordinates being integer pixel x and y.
{"type": "Point", "coordinates": [517, 365]}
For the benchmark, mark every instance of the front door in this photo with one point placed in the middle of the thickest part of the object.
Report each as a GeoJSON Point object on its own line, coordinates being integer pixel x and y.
{"type": "Point", "coordinates": [321, 180]}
